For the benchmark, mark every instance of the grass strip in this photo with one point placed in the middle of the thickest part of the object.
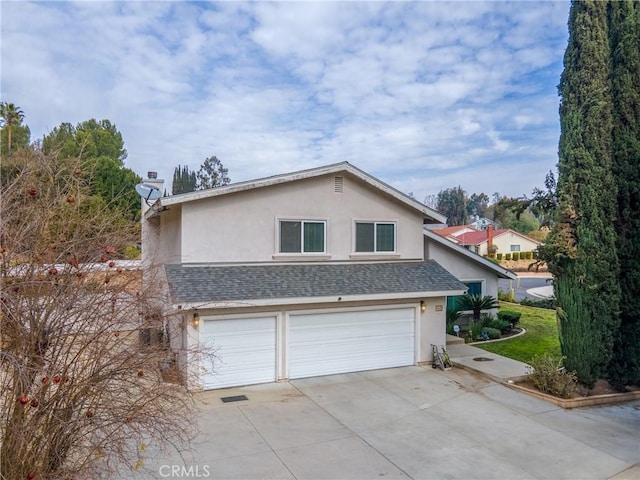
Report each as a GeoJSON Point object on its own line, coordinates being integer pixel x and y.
{"type": "Point", "coordinates": [541, 336]}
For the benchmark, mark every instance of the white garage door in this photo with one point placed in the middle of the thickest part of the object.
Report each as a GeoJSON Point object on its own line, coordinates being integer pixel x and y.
{"type": "Point", "coordinates": [245, 351]}
{"type": "Point", "coordinates": [327, 343]}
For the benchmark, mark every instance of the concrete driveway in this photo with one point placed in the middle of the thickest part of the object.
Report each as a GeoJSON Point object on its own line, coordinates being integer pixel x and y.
{"type": "Point", "coordinates": [411, 422]}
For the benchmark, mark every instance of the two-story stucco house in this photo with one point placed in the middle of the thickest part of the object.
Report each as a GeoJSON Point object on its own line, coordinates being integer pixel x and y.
{"type": "Point", "coordinates": [310, 273]}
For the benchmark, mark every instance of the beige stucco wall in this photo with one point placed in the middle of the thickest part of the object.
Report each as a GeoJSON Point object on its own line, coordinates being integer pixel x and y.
{"type": "Point", "coordinates": [162, 238]}
{"type": "Point", "coordinates": [462, 267]}
{"type": "Point", "coordinates": [504, 242]}
{"type": "Point", "coordinates": [433, 325]}
{"type": "Point", "coordinates": [243, 227]}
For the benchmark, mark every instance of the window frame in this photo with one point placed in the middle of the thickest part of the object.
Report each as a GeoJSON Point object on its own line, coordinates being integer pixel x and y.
{"type": "Point", "coordinates": [375, 250]}
{"type": "Point", "coordinates": [302, 224]}
{"type": "Point", "coordinates": [512, 247]}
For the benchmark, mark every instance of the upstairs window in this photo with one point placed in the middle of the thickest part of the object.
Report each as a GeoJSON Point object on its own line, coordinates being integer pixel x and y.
{"type": "Point", "coordinates": [375, 237]}
{"type": "Point", "coordinates": [302, 236]}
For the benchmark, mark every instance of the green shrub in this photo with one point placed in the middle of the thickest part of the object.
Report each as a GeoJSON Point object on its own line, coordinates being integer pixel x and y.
{"type": "Point", "coordinates": [510, 316]}
{"type": "Point", "coordinates": [499, 256]}
{"type": "Point", "coordinates": [515, 255]}
{"type": "Point", "coordinates": [502, 325]}
{"type": "Point", "coordinates": [486, 319]}
{"type": "Point", "coordinates": [492, 333]}
{"type": "Point", "coordinates": [534, 255]}
{"type": "Point", "coordinates": [132, 252]}
{"type": "Point", "coordinates": [507, 256]}
{"type": "Point", "coordinates": [505, 297]}
{"type": "Point", "coordinates": [528, 255]}
{"type": "Point", "coordinates": [549, 376]}
{"type": "Point", "coordinates": [475, 330]}
{"type": "Point", "coordinates": [548, 303]}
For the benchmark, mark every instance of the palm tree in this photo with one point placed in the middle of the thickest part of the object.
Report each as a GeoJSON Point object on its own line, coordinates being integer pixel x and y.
{"type": "Point", "coordinates": [477, 303]}
{"type": "Point", "coordinates": [10, 115]}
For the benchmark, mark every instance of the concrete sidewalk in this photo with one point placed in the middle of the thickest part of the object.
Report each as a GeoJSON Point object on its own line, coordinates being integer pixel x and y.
{"type": "Point", "coordinates": [496, 367]}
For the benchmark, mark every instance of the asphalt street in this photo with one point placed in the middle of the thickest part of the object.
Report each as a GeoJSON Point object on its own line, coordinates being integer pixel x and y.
{"type": "Point", "coordinates": [529, 287]}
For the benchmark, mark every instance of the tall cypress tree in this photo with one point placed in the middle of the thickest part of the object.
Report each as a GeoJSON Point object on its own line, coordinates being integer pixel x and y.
{"type": "Point", "coordinates": [624, 35]}
{"type": "Point", "coordinates": [183, 180]}
{"type": "Point", "coordinates": [581, 250]}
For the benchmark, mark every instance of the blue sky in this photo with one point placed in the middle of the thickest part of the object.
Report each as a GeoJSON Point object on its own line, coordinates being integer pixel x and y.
{"type": "Point", "coordinates": [423, 95]}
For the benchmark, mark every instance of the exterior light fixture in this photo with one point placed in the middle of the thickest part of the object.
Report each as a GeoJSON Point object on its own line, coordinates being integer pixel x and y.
{"type": "Point", "coordinates": [423, 306]}
{"type": "Point", "coordinates": [196, 320]}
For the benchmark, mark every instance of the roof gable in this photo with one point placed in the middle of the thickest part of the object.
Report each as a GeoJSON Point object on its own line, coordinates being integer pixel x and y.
{"type": "Point", "coordinates": [521, 235]}
{"type": "Point", "coordinates": [479, 237]}
{"type": "Point", "coordinates": [428, 214]}
{"type": "Point", "coordinates": [474, 257]}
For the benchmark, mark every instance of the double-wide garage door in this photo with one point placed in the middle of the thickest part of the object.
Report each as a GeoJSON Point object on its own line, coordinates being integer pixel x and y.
{"type": "Point", "coordinates": [314, 344]}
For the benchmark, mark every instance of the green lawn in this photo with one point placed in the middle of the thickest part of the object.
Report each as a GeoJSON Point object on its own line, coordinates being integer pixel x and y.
{"type": "Point", "coordinates": [541, 336]}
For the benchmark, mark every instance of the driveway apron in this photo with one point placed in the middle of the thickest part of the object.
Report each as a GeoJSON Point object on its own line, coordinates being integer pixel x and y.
{"type": "Point", "coordinates": [410, 422]}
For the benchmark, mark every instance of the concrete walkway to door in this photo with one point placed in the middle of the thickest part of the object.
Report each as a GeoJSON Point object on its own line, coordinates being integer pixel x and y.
{"type": "Point", "coordinates": [403, 423]}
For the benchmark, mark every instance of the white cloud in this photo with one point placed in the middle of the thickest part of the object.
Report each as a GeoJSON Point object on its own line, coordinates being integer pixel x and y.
{"type": "Point", "coordinates": [421, 94]}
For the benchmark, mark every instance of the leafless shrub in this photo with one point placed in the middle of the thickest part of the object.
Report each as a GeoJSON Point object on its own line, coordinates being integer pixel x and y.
{"type": "Point", "coordinates": [86, 375]}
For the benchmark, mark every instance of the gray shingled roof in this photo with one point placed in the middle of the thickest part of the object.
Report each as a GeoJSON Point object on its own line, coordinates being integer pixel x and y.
{"type": "Point", "coordinates": [194, 284]}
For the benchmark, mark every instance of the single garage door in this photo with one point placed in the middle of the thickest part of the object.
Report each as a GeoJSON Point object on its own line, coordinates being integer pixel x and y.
{"type": "Point", "coordinates": [350, 341]}
{"type": "Point", "coordinates": [245, 351]}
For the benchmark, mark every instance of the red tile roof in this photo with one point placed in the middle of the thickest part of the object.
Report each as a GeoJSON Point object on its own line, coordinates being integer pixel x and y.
{"type": "Point", "coordinates": [476, 238]}
{"type": "Point", "coordinates": [445, 232]}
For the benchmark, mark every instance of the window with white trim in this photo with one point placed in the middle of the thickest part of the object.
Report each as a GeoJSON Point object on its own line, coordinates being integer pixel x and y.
{"type": "Point", "coordinates": [515, 248]}
{"type": "Point", "coordinates": [302, 236]}
{"type": "Point", "coordinates": [375, 237]}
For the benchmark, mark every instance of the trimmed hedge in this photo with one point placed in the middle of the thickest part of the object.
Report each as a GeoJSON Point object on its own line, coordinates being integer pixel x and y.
{"type": "Point", "coordinates": [515, 255]}
{"type": "Point", "coordinates": [510, 316]}
{"type": "Point", "coordinates": [492, 333]}
{"type": "Point", "coordinates": [503, 325]}
{"type": "Point", "coordinates": [499, 256]}
{"type": "Point", "coordinates": [507, 256]}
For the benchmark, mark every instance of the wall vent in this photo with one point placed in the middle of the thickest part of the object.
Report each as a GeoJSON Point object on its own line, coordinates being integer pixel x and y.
{"type": "Point", "coordinates": [338, 184]}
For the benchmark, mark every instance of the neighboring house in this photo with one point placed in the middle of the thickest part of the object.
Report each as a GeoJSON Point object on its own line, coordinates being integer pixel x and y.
{"type": "Point", "coordinates": [310, 273]}
{"type": "Point", "coordinates": [479, 274]}
{"type": "Point", "coordinates": [482, 223]}
{"type": "Point", "coordinates": [478, 241]}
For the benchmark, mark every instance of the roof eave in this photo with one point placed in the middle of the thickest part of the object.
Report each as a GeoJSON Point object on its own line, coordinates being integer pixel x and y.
{"type": "Point", "coordinates": [268, 302]}
{"type": "Point", "coordinates": [502, 272]}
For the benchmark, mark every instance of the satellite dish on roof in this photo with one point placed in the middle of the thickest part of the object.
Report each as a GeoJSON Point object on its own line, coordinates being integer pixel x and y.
{"type": "Point", "coordinates": [148, 192]}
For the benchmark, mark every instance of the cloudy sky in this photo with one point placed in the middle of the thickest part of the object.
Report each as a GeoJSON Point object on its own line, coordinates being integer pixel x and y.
{"type": "Point", "coordinates": [423, 95]}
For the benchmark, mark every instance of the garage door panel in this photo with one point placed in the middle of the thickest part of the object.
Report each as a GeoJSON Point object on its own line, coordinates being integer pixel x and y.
{"type": "Point", "coordinates": [327, 343]}
{"type": "Point", "coordinates": [245, 351]}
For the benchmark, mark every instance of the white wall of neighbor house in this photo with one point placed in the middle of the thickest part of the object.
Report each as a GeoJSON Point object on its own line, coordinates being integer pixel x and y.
{"type": "Point", "coordinates": [243, 227]}
{"type": "Point", "coordinates": [461, 267]}
{"type": "Point", "coordinates": [505, 240]}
